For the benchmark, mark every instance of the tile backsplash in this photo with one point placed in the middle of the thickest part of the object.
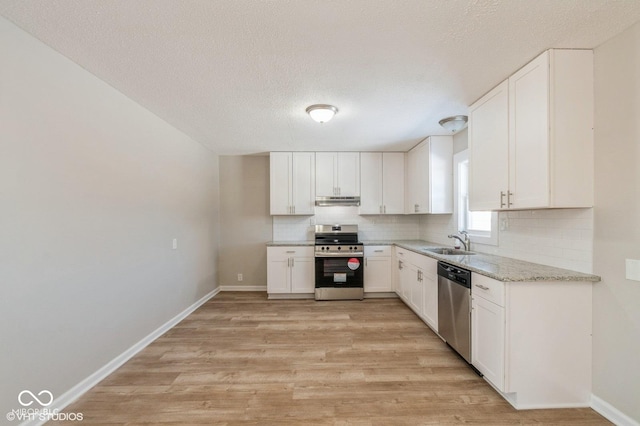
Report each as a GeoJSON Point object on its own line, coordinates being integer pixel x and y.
{"type": "Point", "coordinates": [383, 227]}
{"type": "Point", "coordinates": [557, 237]}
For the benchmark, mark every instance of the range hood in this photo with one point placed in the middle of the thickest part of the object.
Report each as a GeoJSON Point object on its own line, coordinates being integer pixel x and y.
{"type": "Point", "coordinates": [337, 201]}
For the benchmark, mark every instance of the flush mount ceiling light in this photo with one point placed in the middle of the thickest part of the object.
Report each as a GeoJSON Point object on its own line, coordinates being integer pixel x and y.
{"type": "Point", "coordinates": [455, 123]}
{"type": "Point", "coordinates": [321, 112]}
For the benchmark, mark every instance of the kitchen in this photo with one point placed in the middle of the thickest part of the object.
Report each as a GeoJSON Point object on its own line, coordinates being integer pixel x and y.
{"type": "Point", "coordinates": [594, 240]}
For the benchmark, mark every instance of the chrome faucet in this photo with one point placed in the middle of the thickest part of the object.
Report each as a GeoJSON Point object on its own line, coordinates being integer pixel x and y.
{"type": "Point", "coordinates": [466, 242]}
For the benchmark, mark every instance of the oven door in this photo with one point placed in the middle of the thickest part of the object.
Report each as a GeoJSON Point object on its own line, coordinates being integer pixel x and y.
{"type": "Point", "coordinates": [342, 272]}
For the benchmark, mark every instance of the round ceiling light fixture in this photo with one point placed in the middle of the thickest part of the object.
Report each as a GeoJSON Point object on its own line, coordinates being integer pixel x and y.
{"type": "Point", "coordinates": [321, 112]}
{"type": "Point", "coordinates": [454, 123]}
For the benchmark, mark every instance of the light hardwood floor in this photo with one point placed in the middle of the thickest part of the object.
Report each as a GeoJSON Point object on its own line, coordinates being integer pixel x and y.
{"type": "Point", "coordinates": [244, 360]}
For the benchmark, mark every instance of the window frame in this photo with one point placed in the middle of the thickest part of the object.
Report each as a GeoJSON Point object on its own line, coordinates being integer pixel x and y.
{"type": "Point", "coordinates": [476, 236]}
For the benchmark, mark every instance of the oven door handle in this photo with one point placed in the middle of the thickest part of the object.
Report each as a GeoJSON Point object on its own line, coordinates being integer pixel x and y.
{"type": "Point", "coordinates": [358, 254]}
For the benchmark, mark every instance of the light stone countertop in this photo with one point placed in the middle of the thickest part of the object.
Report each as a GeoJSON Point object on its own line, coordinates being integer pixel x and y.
{"type": "Point", "coordinates": [290, 243]}
{"type": "Point", "coordinates": [497, 267]}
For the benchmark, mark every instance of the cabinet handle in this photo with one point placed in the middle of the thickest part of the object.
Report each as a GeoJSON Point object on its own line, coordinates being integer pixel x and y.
{"type": "Point", "coordinates": [292, 262]}
{"type": "Point", "coordinates": [365, 262]}
{"type": "Point", "coordinates": [400, 264]}
{"type": "Point", "coordinates": [380, 209]}
{"type": "Point", "coordinates": [482, 287]}
{"type": "Point", "coordinates": [288, 262]}
{"type": "Point", "coordinates": [339, 191]}
{"type": "Point", "coordinates": [384, 208]}
{"type": "Point", "coordinates": [294, 209]}
{"type": "Point", "coordinates": [291, 251]}
{"type": "Point", "coordinates": [378, 251]}
{"type": "Point", "coordinates": [502, 194]}
{"type": "Point", "coordinates": [416, 207]}
{"type": "Point", "coordinates": [509, 195]}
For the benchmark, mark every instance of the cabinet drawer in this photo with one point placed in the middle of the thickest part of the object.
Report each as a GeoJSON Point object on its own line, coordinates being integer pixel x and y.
{"type": "Point", "coordinates": [487, 288]}
{"type": "Point", "coordinates": [377, 251]}
{"type": "Point", "coordinates": [289, 251]}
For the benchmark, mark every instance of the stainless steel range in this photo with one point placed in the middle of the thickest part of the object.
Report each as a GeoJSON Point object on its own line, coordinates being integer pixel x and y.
{"type": "Point", "coordinates": [339, 263]}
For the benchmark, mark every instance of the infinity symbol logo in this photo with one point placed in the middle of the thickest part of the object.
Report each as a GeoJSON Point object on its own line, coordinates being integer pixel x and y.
{"type": "Point", "coordinates": [26, 404]}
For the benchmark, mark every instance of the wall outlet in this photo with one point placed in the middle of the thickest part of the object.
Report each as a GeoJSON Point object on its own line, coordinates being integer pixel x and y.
{"type": "Point", "coordinates": [632, 270]}
{"type": "Point", "coordinates": [175, 244]}
{"type": "Point", "coordinates": [239, 277]}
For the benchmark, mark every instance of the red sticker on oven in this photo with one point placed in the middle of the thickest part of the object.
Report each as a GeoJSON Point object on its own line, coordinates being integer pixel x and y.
{"type": "Point", "coordinates": [353, 263]}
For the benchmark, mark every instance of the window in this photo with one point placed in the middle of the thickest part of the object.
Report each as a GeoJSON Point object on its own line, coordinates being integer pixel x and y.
{"type": "Point", "coordinates": [481, 226]}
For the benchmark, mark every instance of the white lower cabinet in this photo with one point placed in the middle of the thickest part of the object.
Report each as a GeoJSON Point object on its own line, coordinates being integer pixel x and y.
{"type": "Point", "coordinates": [290, 270]}
{"type": "Point", "coordinates": [377, 269]}
{"type": "Point", "coordinates": [430, 292]}
{"type": "Point", "coordinates": [532, 340]}
{"type": "Point", "coordinates": [417, 284]}
{"type": "Point", "coordinates": [488, 330]}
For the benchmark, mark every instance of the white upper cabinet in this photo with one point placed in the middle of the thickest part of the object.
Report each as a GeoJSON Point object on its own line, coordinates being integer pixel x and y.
{"type": "Point", "coordinates": [292, 183]}
{"type": "Point", "coordinates": [429, 176]}
{"type": "Point", "coordinates": [382, 183]}
{"type": "Point", "coordinates": [337, 174]}
{"type": "Point", "coordinates": [531, 138]}
{"type": "Point", "coordinates": [489, 147]}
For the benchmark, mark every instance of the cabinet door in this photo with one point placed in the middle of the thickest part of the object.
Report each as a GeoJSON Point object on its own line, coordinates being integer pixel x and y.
{"type": "Point", "coordinates": [416, 295]}
{"type": "Point", "coordinates": [278, 270]}
{"type": "Point", "coordinates": [302, 274]}
{"type": "Point", "coordinates": [440, 179]}
{"type": "Point", "coordinates": [411, 182]}
{"type": "Point", "coordinates": [326, 163]}
{"type": "Point", "coordinates": [371, 178]}
{"type": "Point", "coordinates": [529, 134]}
{"type": "Point", "coordinates": [280, 182]}
{"type": "Point", "coordinates": [348, 169]}
{"type": "Point", "coordinates": [303, 183]}
{"type": "Point", "coordinates": [430, 292]}
{"type": "Point", "coordinates": [404, 280]}
{"type": "Point", "coordinates": [488, 340]}
{"type": "Point", "coordinates": [422, 173]}
{"type": "Point", "coordinates": [377, 274]}
{"type": "Point", "coordinates": [392, 182]}
{"type": "Point", "coordinates": [489, 150]}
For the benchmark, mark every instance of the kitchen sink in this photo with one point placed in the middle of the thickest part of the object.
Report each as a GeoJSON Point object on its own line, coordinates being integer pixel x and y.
{"type": "Point", "coordinates": [449, 251]}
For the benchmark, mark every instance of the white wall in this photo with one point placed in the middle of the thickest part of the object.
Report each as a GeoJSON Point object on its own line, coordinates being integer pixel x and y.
{"type": "Point", "coordinates": [93, 188]}
{"type": "Point", "coordinates": [616, 311]}
{"type": "Point", "coordinates": [244, 211]}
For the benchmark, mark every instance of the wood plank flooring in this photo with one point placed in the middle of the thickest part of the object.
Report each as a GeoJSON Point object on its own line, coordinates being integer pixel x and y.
{"type": "Point", "coordinates": [244, 360]}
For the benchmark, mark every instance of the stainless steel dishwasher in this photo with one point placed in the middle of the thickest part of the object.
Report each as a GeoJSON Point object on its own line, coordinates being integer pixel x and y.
{"type": "Point", "coordinates": [454, 308]}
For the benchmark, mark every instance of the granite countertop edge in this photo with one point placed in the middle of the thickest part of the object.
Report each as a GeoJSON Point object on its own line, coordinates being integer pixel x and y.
{"type": "Point", "coordinates": [499, 268]}
{"type": "Point", "coordinates": [290, 243]}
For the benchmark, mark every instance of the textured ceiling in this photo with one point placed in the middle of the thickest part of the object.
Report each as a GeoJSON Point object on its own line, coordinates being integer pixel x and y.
{"type": "Point", "coordinates": [237, 75]}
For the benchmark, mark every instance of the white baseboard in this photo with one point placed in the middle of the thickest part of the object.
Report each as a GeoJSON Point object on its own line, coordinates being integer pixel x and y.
{"type": "Point", "coordinates": [611, 413]}
{"type": "Point", "coordinates": [78, 390]}
{"type": "Point", "coordinates": [243, 288]}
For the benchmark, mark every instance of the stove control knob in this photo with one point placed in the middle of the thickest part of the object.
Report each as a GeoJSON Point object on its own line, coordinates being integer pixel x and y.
{"type": "Point", "coordinates": [339, 248]}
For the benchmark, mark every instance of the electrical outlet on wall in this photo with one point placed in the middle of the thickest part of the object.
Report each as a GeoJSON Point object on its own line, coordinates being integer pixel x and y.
{"type": "Point", "coordinates": [632, 269]}
{"type": "Point", "coordinates": [175, 244]}
{"type": "Point", "coordinates": [240, 277]}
